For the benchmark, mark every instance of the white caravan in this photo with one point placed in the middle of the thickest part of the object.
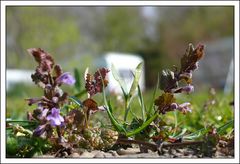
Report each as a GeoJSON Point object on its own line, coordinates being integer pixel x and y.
{"type": "Point", "coordinates": [125, 64]}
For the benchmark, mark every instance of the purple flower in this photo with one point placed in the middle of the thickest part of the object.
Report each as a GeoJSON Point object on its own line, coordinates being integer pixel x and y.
{"type": "Point", "coordinates": [185, 107]}
{"type": "Point", "coordinates": [66, 78]}
{"type": "Point", "coordinates": [44, 113]}
{"type": "Point", "coordinates": [188, 89]}
{"type": "Point", "coordinates": [174, 106]}
{"type": "Point", "coordinates": [39, 130]}
{"type": "Point", "coordinates": [55, 118]}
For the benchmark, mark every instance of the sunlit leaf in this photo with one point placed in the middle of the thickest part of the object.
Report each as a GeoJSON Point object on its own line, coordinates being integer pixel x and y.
{"type": "Point", "coordinates": [167, 80]}
{"type": "Point", "coordinates": [137, 75]}
{"type": "Point", "coordinates": [191, 57]}
{"type": "Point", "coordinates": [119, 80]}
{"type": "Point", "coordinates": [221, 130]}
{"type": "Point", "coordinates": [142, 104]}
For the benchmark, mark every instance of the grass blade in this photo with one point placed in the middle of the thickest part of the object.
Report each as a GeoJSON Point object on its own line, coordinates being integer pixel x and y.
{"type": "Point", "coordinates": [143, 126]}
{"type": "Point", "coordinates": [78, 80]}
{"type": "Point", "coordinates": [133, 88]}
{"type": "Point", "coordinates": [140, 97]}
{"type": "Point", "coordinates": [120, 81]}
{"type": "Point", "coordinates": [224, 127]}
{"type": "Point", "coordinates": [137, 75]}
{"type": "Point", "coordinates": [153, 98]}
{"type": "Point", "coordinates": [119, 127]}
{"type": "Point", "coordinates": [196, 134]}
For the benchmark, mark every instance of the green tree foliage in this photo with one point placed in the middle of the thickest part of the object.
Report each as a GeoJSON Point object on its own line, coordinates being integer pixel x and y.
{"type": "Point", "coordinates": [43, 27]}
{"type": "Point", "coordinates": [123, 30]}
{"type": "Point", "coordinates": [103, 29]}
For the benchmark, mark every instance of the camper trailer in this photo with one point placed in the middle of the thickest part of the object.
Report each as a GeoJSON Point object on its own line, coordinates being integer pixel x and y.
{"type": "Point", "coordinates": [125, 64]}
{"type": "Point", "coordinates": [15, 76]}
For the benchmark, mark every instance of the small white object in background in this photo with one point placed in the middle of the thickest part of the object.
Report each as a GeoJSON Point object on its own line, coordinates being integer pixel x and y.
{"type": "Point", "coordinates": [125, 64]}
{"type": "Point", "coordinates": [14, 76]}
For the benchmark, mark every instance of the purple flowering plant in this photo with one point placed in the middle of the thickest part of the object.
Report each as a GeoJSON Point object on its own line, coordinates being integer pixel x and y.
{"type": "Point", "coordinates": [49, 77]}
{"type": "Point", "coordinates": [170, 81]}
{"type": "Point", "coordinates": [64, 119]}
{"type": "Point", "coordinates": [49, 111]}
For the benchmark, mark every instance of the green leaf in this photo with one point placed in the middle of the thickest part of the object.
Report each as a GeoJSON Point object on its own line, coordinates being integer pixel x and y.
{"type": "Point", "coordinates": [224, 127]}
{"type": "Point", "coordinates": [143, 126]}
{"type": "Point", "coordinates": [119, 127]}
{"type": "Point", "coordinates": [108, 107]}
{"type": "Point", "coordinates": [78, 79]}
{"type": "Point", "coordinates": [11, 146]}
{"type": "Point", "coordinates": [153, 98]}
{"type": "Point", "coordinates": [143, 108]}
{"type": "Point", "coordinates": [181, 133]}
{"type": "Point", "coordinates": [133, 88]}
{"type": "Point", "coordinates": [76, 101]}
{"type": "Point", "coordinates": [79, 94]}
{"type": "Point", "coordinates": [136, 79]}
{"type": "Point", "coordinates": [120, 81]}
{"type": "Point", "coordinates": [197, 134]}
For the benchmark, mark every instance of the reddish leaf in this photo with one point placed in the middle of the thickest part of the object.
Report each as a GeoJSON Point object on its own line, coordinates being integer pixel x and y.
{"type": "Point", "coordinates": [57, 70]}
{"type": "Point", "coordinates": [191, 57]}
{"type": "Point", "coordinates": [164, 102]}
{"type": "Point", "coordinates": [94, 83]}
{"type": "Point", "coordinates": [44, 59]}
{"type": "Point", "coordinates": [90, 104]}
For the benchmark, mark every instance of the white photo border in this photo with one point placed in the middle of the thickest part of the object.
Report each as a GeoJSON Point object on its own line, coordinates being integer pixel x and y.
{"type": "Point", "coordinates": [4, 4]}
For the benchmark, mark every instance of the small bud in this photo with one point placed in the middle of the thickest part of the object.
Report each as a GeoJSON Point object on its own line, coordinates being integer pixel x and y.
{"type": "Point", "coordinates": [39, 130]}
{"type": "Point", "coordinates": [55, 99]}
{"type": "Point", "coordinates": [188, 89]}
{"type": "Point", "coordinates": [48, 86]}
{"type": "Point", "coordinates": [174, 106]}
{"type": "Point", "coordinates": [32, 101]}
{"type": "Point", "coordinates": [185, 107]}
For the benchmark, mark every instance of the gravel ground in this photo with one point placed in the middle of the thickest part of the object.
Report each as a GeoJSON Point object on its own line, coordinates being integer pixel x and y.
{"type": "Point", "coordinates": [134, 152]}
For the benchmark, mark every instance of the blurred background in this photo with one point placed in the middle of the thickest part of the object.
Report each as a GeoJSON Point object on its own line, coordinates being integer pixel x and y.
{"type": "Point", "coordinates": [77, 36]}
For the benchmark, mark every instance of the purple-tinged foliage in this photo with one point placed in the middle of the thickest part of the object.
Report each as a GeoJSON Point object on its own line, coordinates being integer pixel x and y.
{"type": "Point", "coordinates": [93, 83]}
{"type": "Point", "coordinates": [170, 81]}
{"type": "Point", "coordinates": [49, 77]}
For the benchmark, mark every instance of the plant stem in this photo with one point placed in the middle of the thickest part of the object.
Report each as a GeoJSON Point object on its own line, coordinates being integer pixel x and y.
{"type": "Point", "coordinates": [126, 111]}
{"type": "Point", "coordinates": [176, 122]}
{"type": "Point", "coordinates": [23, 121]}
